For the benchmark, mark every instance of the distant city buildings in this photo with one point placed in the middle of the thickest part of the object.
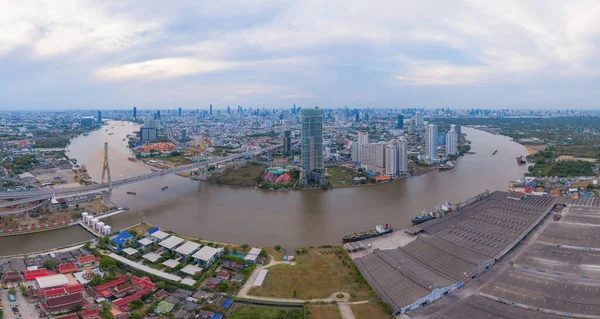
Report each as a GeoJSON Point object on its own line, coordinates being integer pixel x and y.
{"type": "Point", "coordinates": [400, 122]}
{"type": "Point", "coordinates": [134, 113]}
{"type": "Point", "coordinates": [210, 110]}
{"type": "Point", "coordinates": [431, 141]}
{"type": "Point", "coordinates": [179, 112]}
{"type": "Point", "coordinates": [87, 121]}
{"type": "Point", "coordinates": [312, 145]}
{"type": "Point", "coordinates": [99, 117]}
{"type": "Point", "coordinates": [412, 126]}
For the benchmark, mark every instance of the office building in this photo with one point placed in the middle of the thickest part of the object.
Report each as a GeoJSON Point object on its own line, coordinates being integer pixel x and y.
{"type": "Point", "coordinates": [179, 112]}
{"type": "Point", "coordinates": [312, 143]}
{"type": "Point", "coordinates": [148, 135]}
{"type": "Point", "coordinates": [451, 142]}
{"type": "Point", "coordinates": [158, 115]}
{"type": "Point", "coordinates": [268, 124]}
{"type": "Point", "coordinates": [210, 110]}
{"type": "Point", "coordinates": [363, 139]}
{"type": "Point", "coordinates": [87, 121]}
{"type": "Point", "coordinates": [400, 122]}
{"type": "Point", "coordinates": [99, 117]}
{"type": "Point", "coordinates": [134, 113]}
{"type": "Point", "coordinates": [412, 125]}
{"type": "Point", "coordinates": [287, 142]}
{"type": "Point", "coordinates": [184, 134]}
{"type": "Point", "coordinates": [431, 141]}
{"type": "Point", "coordinates": [420, 121]}
{"type": "Point", "coordinates": [355, 150]}
{"type": "Point", "coordinates": [228, 110]}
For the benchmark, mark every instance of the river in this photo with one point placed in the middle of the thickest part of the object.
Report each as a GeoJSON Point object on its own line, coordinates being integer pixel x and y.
{"type": "Point", "coordinates": [267, 218]}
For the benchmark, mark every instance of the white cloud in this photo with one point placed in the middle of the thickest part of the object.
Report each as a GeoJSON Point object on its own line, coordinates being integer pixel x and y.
{"type": "Point", "coordinates": [162, 69]}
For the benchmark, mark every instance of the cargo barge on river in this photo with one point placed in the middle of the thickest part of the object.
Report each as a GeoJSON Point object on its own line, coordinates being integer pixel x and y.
{"type": "Point", "coordinates": [378, 231]}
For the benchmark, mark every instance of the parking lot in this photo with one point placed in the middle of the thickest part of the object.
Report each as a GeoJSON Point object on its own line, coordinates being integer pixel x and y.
{"type": "Point", "coordinates": [26, 310]}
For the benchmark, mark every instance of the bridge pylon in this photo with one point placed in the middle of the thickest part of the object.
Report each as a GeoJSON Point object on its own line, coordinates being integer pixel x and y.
{"type": "Point", "coordinates": [106, 173]}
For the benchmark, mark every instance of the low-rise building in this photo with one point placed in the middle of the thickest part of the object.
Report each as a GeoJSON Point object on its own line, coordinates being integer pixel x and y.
{"type": "Point", "coordinates": [207, 255]}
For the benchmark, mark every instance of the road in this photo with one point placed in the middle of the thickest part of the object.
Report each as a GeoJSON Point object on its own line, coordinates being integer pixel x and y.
{"type": "Point", "coordinates": [48, 193]}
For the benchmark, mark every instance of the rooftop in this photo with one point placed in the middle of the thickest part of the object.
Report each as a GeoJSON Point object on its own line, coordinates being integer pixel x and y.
{"type": "Point", "coordinates": [151, 257]}
{"type": "Point", "coordinates": [187, 248]}
{"type": "Point", "coordinates": [171, 242]}
{"type": "Point", "coordinates": [52, 281]}
{"type": "Point", "coordinates": [191, 269]}
{"type": "Point", "coordinates": [145, 268]}
{"type": "Point", "coordinates": [206, 253]}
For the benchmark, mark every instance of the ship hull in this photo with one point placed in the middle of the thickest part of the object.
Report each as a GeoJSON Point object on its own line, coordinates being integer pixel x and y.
{"type": "Point", "coordinates": [351, 240]}
{"type": "Point", "coordinates": [421, 221]}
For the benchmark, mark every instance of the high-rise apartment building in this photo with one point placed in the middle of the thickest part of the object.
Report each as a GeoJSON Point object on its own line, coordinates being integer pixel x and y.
{"type": "Point", "coordinates": [420, 121]}
{"type": "Point", "coordinates": [99, 117]}
{"type": "Point", "coordinates": [402, 156]}
{"type": "Point", "coordinates": [412, 125]}
{"type": "Point", "coordinates": [391, 159]}
{"type": "Point", "coordinates": [363, 139]}
{"type": "Point", "coordinates": [134, 113]}
{"type": "Point", "coordinates": [400, 122]}
{"type": "Point", "coordinates": [312, 142]}
{"type": "Point", "coordinates": [451, 141]}
{"type": "Point", "coordinates": [431, 141]}
{"type": "Point", "coordinates": [374, 157]}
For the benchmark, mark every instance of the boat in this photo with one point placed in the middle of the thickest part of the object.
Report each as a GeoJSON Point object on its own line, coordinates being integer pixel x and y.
{"type": "Point", "coordinates": [496, 151]}
{"type": "Point", "coordinates": [131, 193]}
{"type": "Point", "coordinates": [123, 139]}
{"type": "Point", "coordinates": [521, 160]}
{"type": "Point", "coordinates": [419, 219]}
{"type": "Point", "coordinates": [378, 231]}
{"type": "Point", "coordinates": [111, 133]}
{"type": "Point", "coordinates": [446, 167]}
{"type": "Point", "coordinates": [132, 159]}
{"type": "Point", "coordinates": [164, 187]}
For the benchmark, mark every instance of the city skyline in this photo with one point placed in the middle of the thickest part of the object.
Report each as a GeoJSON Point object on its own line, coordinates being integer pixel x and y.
{"type": "Point", "coordinates": [97, 55]}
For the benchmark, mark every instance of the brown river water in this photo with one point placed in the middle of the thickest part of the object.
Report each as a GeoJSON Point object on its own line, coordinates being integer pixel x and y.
{"type": "Point", "coordinates": [267, 218]}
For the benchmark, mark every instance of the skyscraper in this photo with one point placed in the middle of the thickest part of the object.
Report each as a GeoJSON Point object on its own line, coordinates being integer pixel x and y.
{"type": "Point", "coordinates": [363, 139]}
{"type": "Point", "coordinates": [99, 117]}
{"type": "Point", "coordinates": [312, 142]}
{"type": "Point", "coordinates": [158, 115]}
{"type": "Point", "coordinates": [419, 119]}
{"type": "Point", "coordinates": [134, 113]}
{"type": "Point", "coordinates": [451, 141]}
{"type": "Point", "coordinates": [400, 122]}
{"type": "Point", "coordinates": [391, 159]}
{"type": "Point", "coordinates": [412, 125]}
{"type": "Point", "coordinates": [210, 110]}
{"type": "Point", "coordinates": [287, 142]}
{"type": "Point", "coordinates": [431, 143]}
{"type": "Point", "coordinates": [402, 156]}
{"type": "Point", "coordinates": [179, 112]}
{"type": "Point", "coordinates": [228, 110]}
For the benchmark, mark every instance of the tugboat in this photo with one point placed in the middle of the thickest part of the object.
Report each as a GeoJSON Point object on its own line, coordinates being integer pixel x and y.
{"type": "Point", "coordinates": [132, 159]}
{"type": "Point", "coordinates": [378, 231]}
{"type": "Point", "coordinates": [131, 193]}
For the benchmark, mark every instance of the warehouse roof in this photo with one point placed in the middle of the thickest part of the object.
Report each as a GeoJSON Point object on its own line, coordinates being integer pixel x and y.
{"type": "Point", "coordinates": [188, 248]}
{"type": "Point", "coordinates": [52, 281]}
{"type": "Point", "coordinates": [171, 242]}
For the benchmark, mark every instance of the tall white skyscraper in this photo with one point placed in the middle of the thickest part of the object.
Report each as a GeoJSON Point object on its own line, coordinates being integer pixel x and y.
{"type": "Point", "coordinates": [431, 144]}
{"type": "Point", "coordinates": [420, 121]}
{"type": "Point", "coordinates": [451, 141]}
{"type": "Point", "coordinates": [402, 156]}
{"type": "Point", "coordinates": [363, 139]}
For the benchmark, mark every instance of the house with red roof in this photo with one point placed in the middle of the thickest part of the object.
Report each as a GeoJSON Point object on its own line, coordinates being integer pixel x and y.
{"type": "Point", "coordinates": [86, 260]}
{"type": "Point", "coordinates": [143, 282]}
{"type": "Point", "coordinates": [121, 290]}
{"type": "Point", "coordinates": [67, 268]}
{"type": "Point", "coordinates": [90, 314]}
{"type": "Point", "coordinates": [119, 281]}
{"type": "Point", "coordinates": [123, 303]}
{"type": "Point", "coordinates": [33, 274]}
{"type": "Point", "coordinates": [62, 303]}
{"type": "Point", "coordinates": [69, 316]}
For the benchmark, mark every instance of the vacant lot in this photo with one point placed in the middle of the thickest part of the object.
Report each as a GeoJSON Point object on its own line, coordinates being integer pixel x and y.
{"type": "Point", "coordinates": [371, 310]}
{"type": "Point", "coordinates": [317, 274]}
{"type": "Point", "coordinates": [324, 312]}
{"type": "Point", "coordinates": [245, 176]}
{"type": "Point", "coordinates": [340, 176]}
{"type": "Point", "coordinates": [253, 312]}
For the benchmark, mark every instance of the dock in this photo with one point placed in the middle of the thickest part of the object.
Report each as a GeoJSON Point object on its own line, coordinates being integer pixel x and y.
{"type": "Point", "coordinates": [89, 229]}
{"type": "Point", "coordinates": [85, 224]}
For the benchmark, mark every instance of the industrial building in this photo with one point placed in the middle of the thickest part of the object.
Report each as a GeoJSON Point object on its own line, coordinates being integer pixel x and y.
{"type": "Point", "coordinates": [451, 250]}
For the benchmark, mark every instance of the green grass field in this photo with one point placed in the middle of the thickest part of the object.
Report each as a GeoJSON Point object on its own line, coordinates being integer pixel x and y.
{"type": "Point", "coordinates": [245, 176]}
{"type": "Point", "coordinates": [253, 312]}
{"type": "Point", "coordinates": [317, 274]}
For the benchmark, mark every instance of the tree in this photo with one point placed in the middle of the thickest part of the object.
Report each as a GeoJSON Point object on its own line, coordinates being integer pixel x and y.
{"type": "Point", "coordinates": [263, 253]}
{"type": "Point", "coordinates": [49, 264]}
{"type": "Point", "coordinates": [107, 263]}
{"type": "Point", "coordinates": [277, 247]}
{"type": "Point", "coordinates": [222, 287]}
{"type": "Point", "coordinates": [136, 304]}
{"type": "Point", "coordinates": [77, 307]}
{"type": "Point", "coordinates": [244, 246]}
{"type": "Point", "coordinates": [226, 250]}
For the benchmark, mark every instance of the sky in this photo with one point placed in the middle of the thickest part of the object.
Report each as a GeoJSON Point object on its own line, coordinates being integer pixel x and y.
{"type": "Point", "coordinates": [261, 53]}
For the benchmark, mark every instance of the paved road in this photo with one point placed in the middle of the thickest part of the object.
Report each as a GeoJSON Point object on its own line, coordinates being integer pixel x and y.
{"type": "Point", "coordinates": [345, 310]}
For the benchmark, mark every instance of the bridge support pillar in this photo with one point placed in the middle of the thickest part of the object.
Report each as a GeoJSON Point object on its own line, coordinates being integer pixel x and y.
{"type": "Point", "coordinates": [106, 197]}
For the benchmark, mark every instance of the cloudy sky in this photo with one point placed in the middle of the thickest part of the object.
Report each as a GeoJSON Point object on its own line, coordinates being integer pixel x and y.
{"type": "Point", "coordinates": [462, 54]}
